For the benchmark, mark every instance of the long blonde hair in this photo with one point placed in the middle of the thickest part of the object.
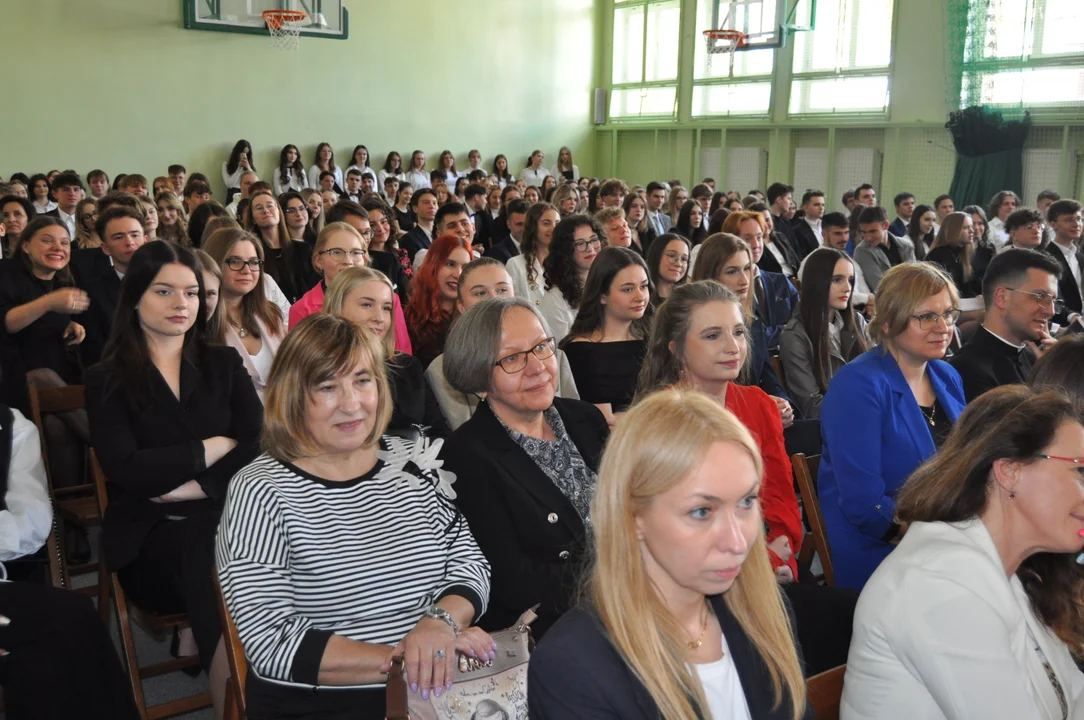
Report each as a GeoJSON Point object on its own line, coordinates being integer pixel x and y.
{"type": "Point", "coordinates": [348, 280]}
{"type": "Point", "coordinates": [657, 445]}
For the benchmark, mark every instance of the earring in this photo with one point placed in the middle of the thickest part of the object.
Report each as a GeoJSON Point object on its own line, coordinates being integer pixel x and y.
{"type": "Point", "coordinates": [1012, 494]}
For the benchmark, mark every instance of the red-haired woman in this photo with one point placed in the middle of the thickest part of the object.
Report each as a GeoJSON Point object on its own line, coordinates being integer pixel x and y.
{"type": "Point", "coordinates": [435, 288]}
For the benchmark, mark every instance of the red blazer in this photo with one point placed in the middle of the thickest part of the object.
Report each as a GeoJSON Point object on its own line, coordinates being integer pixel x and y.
{"type": "Point", "coordinates": [759, 414]}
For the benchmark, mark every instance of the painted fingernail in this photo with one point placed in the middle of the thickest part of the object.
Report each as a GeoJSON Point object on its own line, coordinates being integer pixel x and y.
{"type": "Point", "coordinates": [495, 644]}
{"type": "Point", "coordinates": [4, 621]}
{"type": "Point", "coordinates": [413, 687]}
{"type": "Point", "coordinates": [425, 694]}
{"type": "Point", "coordinates": [438, 691]}
{"type": "Point", "coordinates": [448, 687]}
{"type": "Point", "coordinates": [1080, 559]}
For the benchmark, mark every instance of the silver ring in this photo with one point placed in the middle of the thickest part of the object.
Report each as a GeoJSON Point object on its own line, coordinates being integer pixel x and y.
{"type": "Point", "coordinates": [440, 655]}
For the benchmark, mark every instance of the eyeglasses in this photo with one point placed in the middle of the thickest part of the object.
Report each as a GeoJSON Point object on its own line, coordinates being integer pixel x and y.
{"type": "Point", "coordinates": [339, 254]}
{"type": "Point", "coordinates": [296, 210]}
{"type": "Point", "coordinates": [927, 320]}
{"type": "Point", "coordinates": [516, 362]}
{"type": "Point", "coordinates": [237, 264]}
{"type": "Point", "coordinates": [676, 258]}
{"type": "Point", "coordinates": [582, 245]}
{"type": "Point", "coordinates": [1045, 299]}
{"type": "Point", "coordinates": [1079, 462]}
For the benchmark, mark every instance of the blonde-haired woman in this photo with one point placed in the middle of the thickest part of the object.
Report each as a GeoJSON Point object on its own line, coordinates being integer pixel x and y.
{"type": "Point", "coordinates": [884, 414]}
{"type": "Point", "coordinates": [86, 214]}
{"type": "Point", "coordinates": [683, 618]}
{"type": "Point", "coordinates": [565, 169]}
{"type": "Point", "coordinates": [367, 297]}
{"type": "Point", "coordinates": [172, 221]}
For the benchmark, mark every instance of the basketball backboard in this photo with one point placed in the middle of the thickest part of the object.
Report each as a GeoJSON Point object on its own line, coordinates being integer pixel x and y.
{"type": "Point", "coordinates": [766, 23]}
{"type": "Point", "coordinates": [325, 18]}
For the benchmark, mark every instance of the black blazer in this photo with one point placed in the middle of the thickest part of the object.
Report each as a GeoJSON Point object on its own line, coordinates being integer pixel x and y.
{"type": "Point", "coordinates": [985, 362]}
{"type": "Point", "coordinates": [388, 263]}
{"type": "Point", "coordinates": [483, 228]}
{"type": "Point", "coordinates": [504, 250]}
{"type": "Point", "coordinates": [415, 403]}
{"type": "Point", "coordinates": [103, 287]}
{"type": "Point", "coordinates": [576, 673]}
{"type": "Point", "coordinates": [148, 450]}
{"type": "Point", "coordinates": [767, 260]}
{"type": "Point", "coordinates": [414, 241]}
{"type": "Point", "coordinates": [805, 241]}
{"type": "Point", "coordinates": [528, 530]}
{"type": "Point", "coordinates": [1068, 290]}
{"type": "Point", "coordinates": [783, 226]}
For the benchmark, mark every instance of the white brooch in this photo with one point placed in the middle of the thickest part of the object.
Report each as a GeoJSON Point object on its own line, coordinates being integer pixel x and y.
{"type": "Point", "coordinates": [409, 461]}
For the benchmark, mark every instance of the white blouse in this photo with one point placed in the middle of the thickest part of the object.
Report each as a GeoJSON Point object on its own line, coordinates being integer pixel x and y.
{"type": "Point", "coordinates": [558, 313]}
{"type": "Point", "coordinates": [418, 179]}
{"type": "Point", "coordinates": [722, 688]}
{"type": "Point", "coordinates": [517, 268]}
{"type": "Point", "coordinates": [293, 182]}
{"type": "Point", "coordinates": [233, 181]}
{"type": "Point", "coordinates": [364, 171]}
{"type": "Point", "coordinates": [314, 176]}
{"type": "Point", "coordinates": [534, 177]}
{"type": "Point", "coordinates": [555, 171]}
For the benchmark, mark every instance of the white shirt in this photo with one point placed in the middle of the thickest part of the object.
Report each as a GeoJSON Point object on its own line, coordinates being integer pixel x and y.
{"type": "Point", "coordinates": [364, 171]}
{"type": "Point", "coordinates": [998, 235]}
{"type": "Point", "coordinates": [780, 257]}
{"type": "Point", "coordinates": [28, 519]}
{"type": "Point", "coordinates": [42, 209]}
{"type": "Point", "coordinates": [815, 226]}
{"type": "Point", "coordinates": [472, 169]}
{"type": "Point", "coordinates": [1070, 257]}
{"type": "Point", "coordinates": [502, 182]}
{"type": "Point", "coordinates": [68, 220]}
{"type": "Point", "coordinates": [384, 175]}
{"type": "Point", "coordinates": [296, 182]}
{"type": "Point", "coordinates": [234, 180]}
{"type": "Point", "coordinates": [655, 219]}
{"type": "Point", "coordinates": [533, 177]}
{"type": "Point", "coordinates": [555, 171]}
{"type": "Point", "coordinates": [517, 268]}
{"type": "Point", "coordinates": [262, 360]}
{"type": "Point", "coordinates": [418, 179]}
{"type": "Point", "coordinates": [450, 178]}
{"type": "Point", "coordinates": [722, 688]}
{"type": "Point", "coordinates": [314, 176]}
{"type": "Point", "coordinates": [940, 632]}
{"type": "Point", "coordinates": [558, 313]}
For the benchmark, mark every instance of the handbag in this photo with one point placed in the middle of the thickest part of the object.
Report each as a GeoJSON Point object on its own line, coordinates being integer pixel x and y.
{"type": "Point", "coordinates": [494, 691]}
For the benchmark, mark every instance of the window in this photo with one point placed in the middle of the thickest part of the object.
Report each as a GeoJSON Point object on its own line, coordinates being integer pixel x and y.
{"type": "Point", "coordinates": [645, 58]}
{"type": "Point", "coordinates": [1024, 52]}
{"type": "Point", "coordinates": [842, 65]}
{"type": "Point", "coordinates": [734, 83]}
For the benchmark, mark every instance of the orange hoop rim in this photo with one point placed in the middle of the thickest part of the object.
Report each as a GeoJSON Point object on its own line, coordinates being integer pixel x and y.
{"type": "Point", "coordinates": [276, 18]}
{"type": "Point", "coordinates": [737, 36]}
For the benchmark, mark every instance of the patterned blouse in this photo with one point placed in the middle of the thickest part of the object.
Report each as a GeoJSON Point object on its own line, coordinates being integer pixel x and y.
{"type": "Point", "coordinates": [561, 461]}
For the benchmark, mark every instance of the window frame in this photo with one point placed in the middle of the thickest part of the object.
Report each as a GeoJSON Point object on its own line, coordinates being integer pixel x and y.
{"type": "Point", "coordinates": [644, 84]}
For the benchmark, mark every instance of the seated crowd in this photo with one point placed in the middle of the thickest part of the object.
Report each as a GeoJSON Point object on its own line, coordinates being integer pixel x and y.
{"type": "Point", "coordinates": [392, 411]}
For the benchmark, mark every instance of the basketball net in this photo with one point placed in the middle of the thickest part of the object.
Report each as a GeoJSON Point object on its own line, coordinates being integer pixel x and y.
{"type": "Point", "coordinates": [723, 42]}
{"type": "Point", "coordinates": [285, 28]}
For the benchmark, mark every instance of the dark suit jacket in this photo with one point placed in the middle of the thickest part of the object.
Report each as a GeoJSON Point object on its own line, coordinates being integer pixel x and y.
{"type": "Point", "coordinates": [805, 241]}
{"type": "Point", "coordinates": [483, 228]}
{"type": "Point", "coordinates": [504, 250]}
{"type": "Point", "coordinates": [529, 531]}
{"type": "Point", "coordinates": [782, 225]}
{"type": "Point", "coordinates": [103, 287]}
{"type": "Point", "coordinates": [388, 263]}
{"type": "Point", "coordinates": [762, 372]}
{"type": "Point", "coordinates": [897, 227]}
{"type": "Point", "coordinates": [1068, 290]}
{"type": "Point", "coordinates": [768, 261]}
{"type": "Point", "coordinates": [780, 299]}
{"type": "Point", "coordinates": [986, 362]}
{"type": "Point", "coordinates": [415, 403]}
{"type": "Point", "coordinates": [148, 449]}
{"type": "Point", "coordinates": [577, 674]}
{"type": "Point", "coordinates": [414, 241]}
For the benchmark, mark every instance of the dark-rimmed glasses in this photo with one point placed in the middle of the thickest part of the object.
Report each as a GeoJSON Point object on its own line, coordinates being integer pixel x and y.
{"type": "Point", "coordinates": [927, 320]}
{"type": "Point", "coordinates": [516, 362]}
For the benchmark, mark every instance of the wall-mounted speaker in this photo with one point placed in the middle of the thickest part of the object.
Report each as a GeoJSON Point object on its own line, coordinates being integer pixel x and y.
{"type": "Point", "coordinates": [600, 106]}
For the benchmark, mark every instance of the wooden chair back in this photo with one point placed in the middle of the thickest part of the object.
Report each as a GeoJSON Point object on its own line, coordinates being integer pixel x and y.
{"type": "Point", "coordinates": [235, 655]}
{"type": "Point", "coordinates": [805, 472]}
{"type": "Point", "coordinates": [825, 693]}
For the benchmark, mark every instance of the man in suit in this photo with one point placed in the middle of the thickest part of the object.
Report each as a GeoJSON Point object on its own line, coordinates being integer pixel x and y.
{"type": "Point", "coordinates": [1043, 201]}
{"type": "Point", "coordinates": [807, 229]}
{"type": "Point", "coordinates": [424, 204]}
{"type": "Point", "coordinates": [905, 206]}
{"type": "Point", "coordinates": [879, 249]}
{"type": "Point", "coordinates": [775, 296]}
{"type": "Point", "coordinates": [1020, 292]}
{"type": "Point", "coordinates": [516, 214]}
{"type": "Point", "coordinates": [1065, 219]}
{"type": "Point", "coordinates": [122, 233]}
{"type": "Point", "coordinates": [779, 197]}
{"type": "Point", "coordinates": [353, 185]}
{"type": "Point", "coordinates": [475, 196]}
{"type": "Point", "coordinates": [656, 218]}
{"type": "Point", "coordinates": [943, 205]}
{"type": "Point", "coordinates": [69, 190]}
{"type": "Point", "coordinates": [778, 256]}
{"type": "Point", "coordinates": [499, 229]}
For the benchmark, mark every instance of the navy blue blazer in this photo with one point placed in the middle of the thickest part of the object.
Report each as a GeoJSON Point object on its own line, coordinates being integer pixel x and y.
{"type": "Point", "coordinates": [575, 673]}
{"type": "Point", "coordinates": [503, 250]}
{"type": "Point", "coordinates": [414, 241]}
{"type": "Point", "coordinates": [897, 227]}
{"type": "Point", "coordinates": [762, 372]}
{"type": "Point", "coordinates": [780, 299]}
{"type": "Point", "coordinates": [874, 436]}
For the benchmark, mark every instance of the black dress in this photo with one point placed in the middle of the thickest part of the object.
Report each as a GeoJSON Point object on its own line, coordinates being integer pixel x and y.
{"type": "Point", "coordinates": [404, 219]}
{"type": "Point", "coordinates": [606, 372]}
{"type": "Point", "coordinates": [40, 344]}
{"type": "Point", "coordinates": [415, 403]}
{"type": "Point", "coordinates": [292, 270]}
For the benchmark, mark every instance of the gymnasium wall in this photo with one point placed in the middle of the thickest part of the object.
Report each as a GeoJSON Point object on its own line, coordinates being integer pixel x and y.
{"type": "Point", "coordinates": [119, 84]}
{"type": "Point", "coordinates": [914, 150]}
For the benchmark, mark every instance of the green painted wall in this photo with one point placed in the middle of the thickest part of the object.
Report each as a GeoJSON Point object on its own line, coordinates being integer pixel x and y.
{"type": "Point", "coordinates": [918, 155]}
{"type": "Point", "coordinates": [119, 84]}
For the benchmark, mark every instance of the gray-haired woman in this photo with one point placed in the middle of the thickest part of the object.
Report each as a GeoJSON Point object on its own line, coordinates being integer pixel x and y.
{"type": "Point", "coordinates": [525, 462]}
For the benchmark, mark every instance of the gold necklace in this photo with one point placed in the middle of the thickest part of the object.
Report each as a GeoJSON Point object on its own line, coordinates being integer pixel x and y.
{"type": "Point", "coordinates": [695, 644]}
{"type": "Point", "coordinates": [931, 417]}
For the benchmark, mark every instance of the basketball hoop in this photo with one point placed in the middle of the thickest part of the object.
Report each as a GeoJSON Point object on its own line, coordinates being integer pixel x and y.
{"type": "Point", "coordinates": [285, 28]}
{"type": "Point", "coordinates": [724, 41]}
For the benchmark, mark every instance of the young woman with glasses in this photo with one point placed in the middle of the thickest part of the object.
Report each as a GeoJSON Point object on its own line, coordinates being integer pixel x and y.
{"type": "Point", "coordinates": [667, 265]}
{"type": "Point", "coordinates": [576, 242]}
{"type": "Point", "coordinates": [296, 213]}
{"type": "Point", "coordinates": [339, 246]}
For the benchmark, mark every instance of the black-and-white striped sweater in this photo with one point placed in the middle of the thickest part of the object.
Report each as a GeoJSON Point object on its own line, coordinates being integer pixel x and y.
{"type": "Point", "coordinates": [301, 558]}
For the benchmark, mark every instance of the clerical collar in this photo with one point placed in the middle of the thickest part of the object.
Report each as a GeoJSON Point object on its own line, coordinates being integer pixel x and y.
{"type": "Point", "coordinates": [994, 334]}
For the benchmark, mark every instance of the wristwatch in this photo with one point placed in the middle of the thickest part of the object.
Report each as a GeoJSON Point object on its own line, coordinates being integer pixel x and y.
{"type": "Point", "coordinates": [438, 613]}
